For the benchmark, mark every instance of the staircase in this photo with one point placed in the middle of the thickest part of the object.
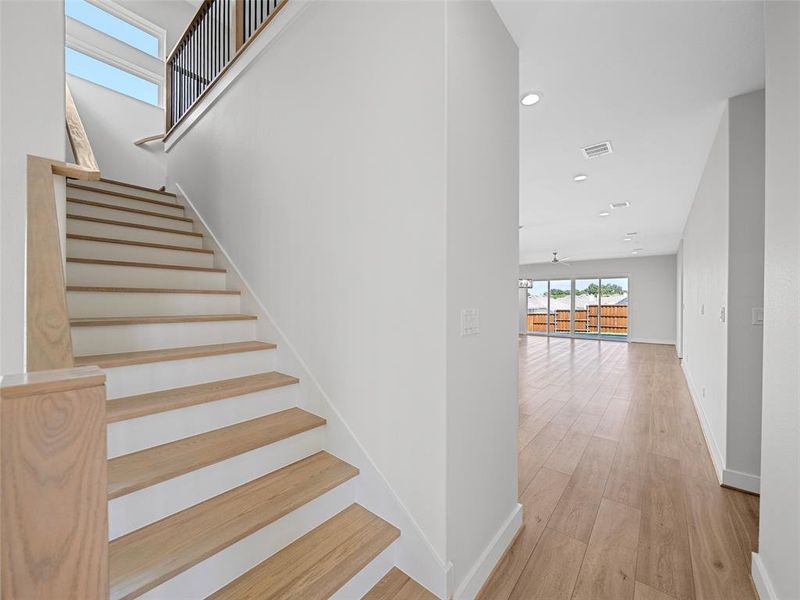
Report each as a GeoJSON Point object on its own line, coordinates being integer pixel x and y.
{"type": "Point", "coordinates": [218, 483]}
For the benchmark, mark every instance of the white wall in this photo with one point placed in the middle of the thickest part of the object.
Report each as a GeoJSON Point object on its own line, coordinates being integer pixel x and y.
{"type": "Point", "coordinates": [705, 293]}
{"type": "Point", "coordinates": [322, 171]}
{"type": "Point", "coordinates": [745, 282]}
{"type": "Point", "coordinates": [344, 173]}
{"type": "Point", "coordinates": [31, 122]}
{"type": "Point", "coordinates": [775, 567]}
{"type": "Point", "coordinates": [651, 290]}
{"type": "Point", "coordinates": [723, 270]}
{"type": "Point", "coordinates": [113, 121]}
{"type": "Point", "coordinates": [482, 256]}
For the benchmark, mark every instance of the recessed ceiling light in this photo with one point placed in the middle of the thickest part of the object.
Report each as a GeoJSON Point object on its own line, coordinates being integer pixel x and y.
{"type": "Point", "coordinates": [605, 213]}
{"type": "Point", "coordinates": [637, 250]}
{"type": "Point", "coordinates": [531, 98]}
{"type": "Point", "coordinates": [580, 177]}
{"type": "Point", "coordinates": [628, 239]}
{"type": "Point", "coordinates": [620, 205]}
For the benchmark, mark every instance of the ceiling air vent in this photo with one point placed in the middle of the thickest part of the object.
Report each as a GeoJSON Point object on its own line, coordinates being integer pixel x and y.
{"type": "Point", "coordinates": [596, 150]}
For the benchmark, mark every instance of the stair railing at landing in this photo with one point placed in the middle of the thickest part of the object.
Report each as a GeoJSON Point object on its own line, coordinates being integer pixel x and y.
{"type": "Point", "coordinates": [217, 35]}
{"type": "Point", "coordinates": [53, 491]}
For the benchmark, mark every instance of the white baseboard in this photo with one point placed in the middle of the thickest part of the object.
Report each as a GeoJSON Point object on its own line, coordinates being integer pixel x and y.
{"type": "Point", "coordinates": [652, 341]}
{"type": "Point", "coordinates": [711, 443]}
{"type": "Point", "coordinates": [741, 481]}
{"type": "Point", "coordinates": [728, 477]}
{"type": "Point", "coordinates": [483, 567]}
{"type": "Point", "coordinates": [764, 587]}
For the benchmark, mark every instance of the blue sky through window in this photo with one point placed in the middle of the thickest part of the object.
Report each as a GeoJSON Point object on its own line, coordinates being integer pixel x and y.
{"type": "Point", "coordinates": [116, 79]}
{"type": "Point", "coordinates": [97, 18]}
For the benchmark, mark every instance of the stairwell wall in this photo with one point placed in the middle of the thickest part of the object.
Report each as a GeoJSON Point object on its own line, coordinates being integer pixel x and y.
{"type": "Point", "coordinates": [31, 122]}
{"type": "Point", "coordinates": [366, 202]}
{"type": "Point", "coordinates": [321, 171]}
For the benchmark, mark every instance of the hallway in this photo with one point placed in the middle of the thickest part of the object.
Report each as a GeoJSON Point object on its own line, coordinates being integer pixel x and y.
{"type": "Point", "coordinates": [619, 492]}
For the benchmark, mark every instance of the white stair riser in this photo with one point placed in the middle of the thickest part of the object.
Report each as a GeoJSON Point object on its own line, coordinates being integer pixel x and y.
{"type": "Point", "coordinates": [152, 377]}
{"type": "Point", "coordinates": [126, 304]}
{"type": "Point", "coordinates": [108, 339]}
{"type": "Point", "coordinates": [75, 208]}
{"type": "Point", "coordinates": [161, 256]}
{"type": "Point", "coordinates": [366, 579]}
{"type": "Point", "coordinates": [136, 234]}
{"type": "Point", "coordinates": [122, 276]}
{"type": "Point", "coordinates": [225, 566]}
{"type": "Point", "coordinates": [146, 506]}
{"type": "Point", "coordinates": [133, 435]}
{"type": "Point", "coordinates": [124, 189]}
{"type": "Point", "coordinates": [176, 210]}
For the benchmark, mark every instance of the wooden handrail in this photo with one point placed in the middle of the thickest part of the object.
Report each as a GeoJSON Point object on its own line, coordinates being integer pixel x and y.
{"type": "Point", "coordinates": [149, 138]}
{"type": "Point", "coordinates": [207, 48]}
{"type": "Point", "coordinates": [53, 490]}
{"type": "Point", "coordinates": [48, 338]}
{"type": "Point", "coordinates": [78, 140]}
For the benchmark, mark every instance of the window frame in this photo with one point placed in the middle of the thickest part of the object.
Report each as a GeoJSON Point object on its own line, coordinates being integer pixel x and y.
{"type": "Point", "coordinates": [107, 56]}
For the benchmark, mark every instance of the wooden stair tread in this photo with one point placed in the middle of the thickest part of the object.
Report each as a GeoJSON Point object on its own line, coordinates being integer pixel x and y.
{"type": "Point", "coordinates": [122, 359]}
{"type": "Point", "coordinates": [135, 225]}
{"type": "Point", "coordinates": [137, 290]}
{"type": "Point", "coordinates": [396, 585]}
{"type": "Point", "coordinates": [138, 211]}
{"type": "Point", "coordinates": [145, 558]}
{"type": "Point", "coordinates": [137, 187]}
{"type": "Point", "coordinates": [140, 405]}
{"type": "Point", "coordinates": [101, 321]}
{"type": "Point", "coordinates": [128, 263]}
{"type": "Point", "coordinates": [138, 470]}
{"type": "Point", "coordinates": [89, 188]}
{"type": "Point", "coordinates": [107, 240]}
{"type": "Point", "coordinates": [317, 564]}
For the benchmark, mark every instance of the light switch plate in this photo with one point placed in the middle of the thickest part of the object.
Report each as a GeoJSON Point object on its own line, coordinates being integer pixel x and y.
{"type": "Point", "coordinates": [470, 321]}
{"type": "Point", "coordinates": [758, 316]}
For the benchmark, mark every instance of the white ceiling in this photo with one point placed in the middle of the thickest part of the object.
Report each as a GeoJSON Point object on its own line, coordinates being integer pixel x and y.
{"type": "Point", "coordinates": [650, 76]}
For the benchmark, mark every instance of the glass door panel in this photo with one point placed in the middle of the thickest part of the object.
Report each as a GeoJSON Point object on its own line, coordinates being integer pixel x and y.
{"type": "Point", "coordinates": [614, 307]}
{"type": "Point", "coordinates": [560, 307]}
{"type": "Point", "coordinates": [587, 306]}
{"type": "Point", "coordinates": [537, 307]}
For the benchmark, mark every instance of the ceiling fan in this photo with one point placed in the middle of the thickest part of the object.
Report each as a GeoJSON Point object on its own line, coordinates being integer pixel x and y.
{"type": "Point", "coordinates": [559, 261]}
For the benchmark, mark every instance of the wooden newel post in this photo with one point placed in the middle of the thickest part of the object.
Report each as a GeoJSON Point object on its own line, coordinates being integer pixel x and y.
{"type": "Point", "coordinates": [53, 492]}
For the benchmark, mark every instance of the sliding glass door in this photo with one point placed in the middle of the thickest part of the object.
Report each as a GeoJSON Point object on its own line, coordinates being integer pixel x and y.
{"type": "Point", "coordinates": [587, 300]}
{"type": "Point", "coordinates": [589, 307]}
{"type": "Point", "coordinates": [560, 307]}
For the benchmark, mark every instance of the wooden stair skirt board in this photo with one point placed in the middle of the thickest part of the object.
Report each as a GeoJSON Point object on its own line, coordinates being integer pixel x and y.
{"type": "Point", "coordinates": [319, 563]}
{"type": "Point", "coordinates": [147, 557]}
{"type": "Point", "coordinates": [136, 471]}
{"type": "Point", "coordinates": [141, 405]}
{"type": "Point", "coordinates": [396, 585]}
{"type": "Point", "coordinates": [123, 359]}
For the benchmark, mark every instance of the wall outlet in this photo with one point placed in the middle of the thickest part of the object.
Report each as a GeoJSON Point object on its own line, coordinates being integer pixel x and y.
{"type": "Point", "coordinates": [470, 321]}
{"type": "Point", "coordinates": [758, 316]}
{"type": "Point", "coordinates": [702, 309]}
{"type": "Point", "coordinates": [722, 315]}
